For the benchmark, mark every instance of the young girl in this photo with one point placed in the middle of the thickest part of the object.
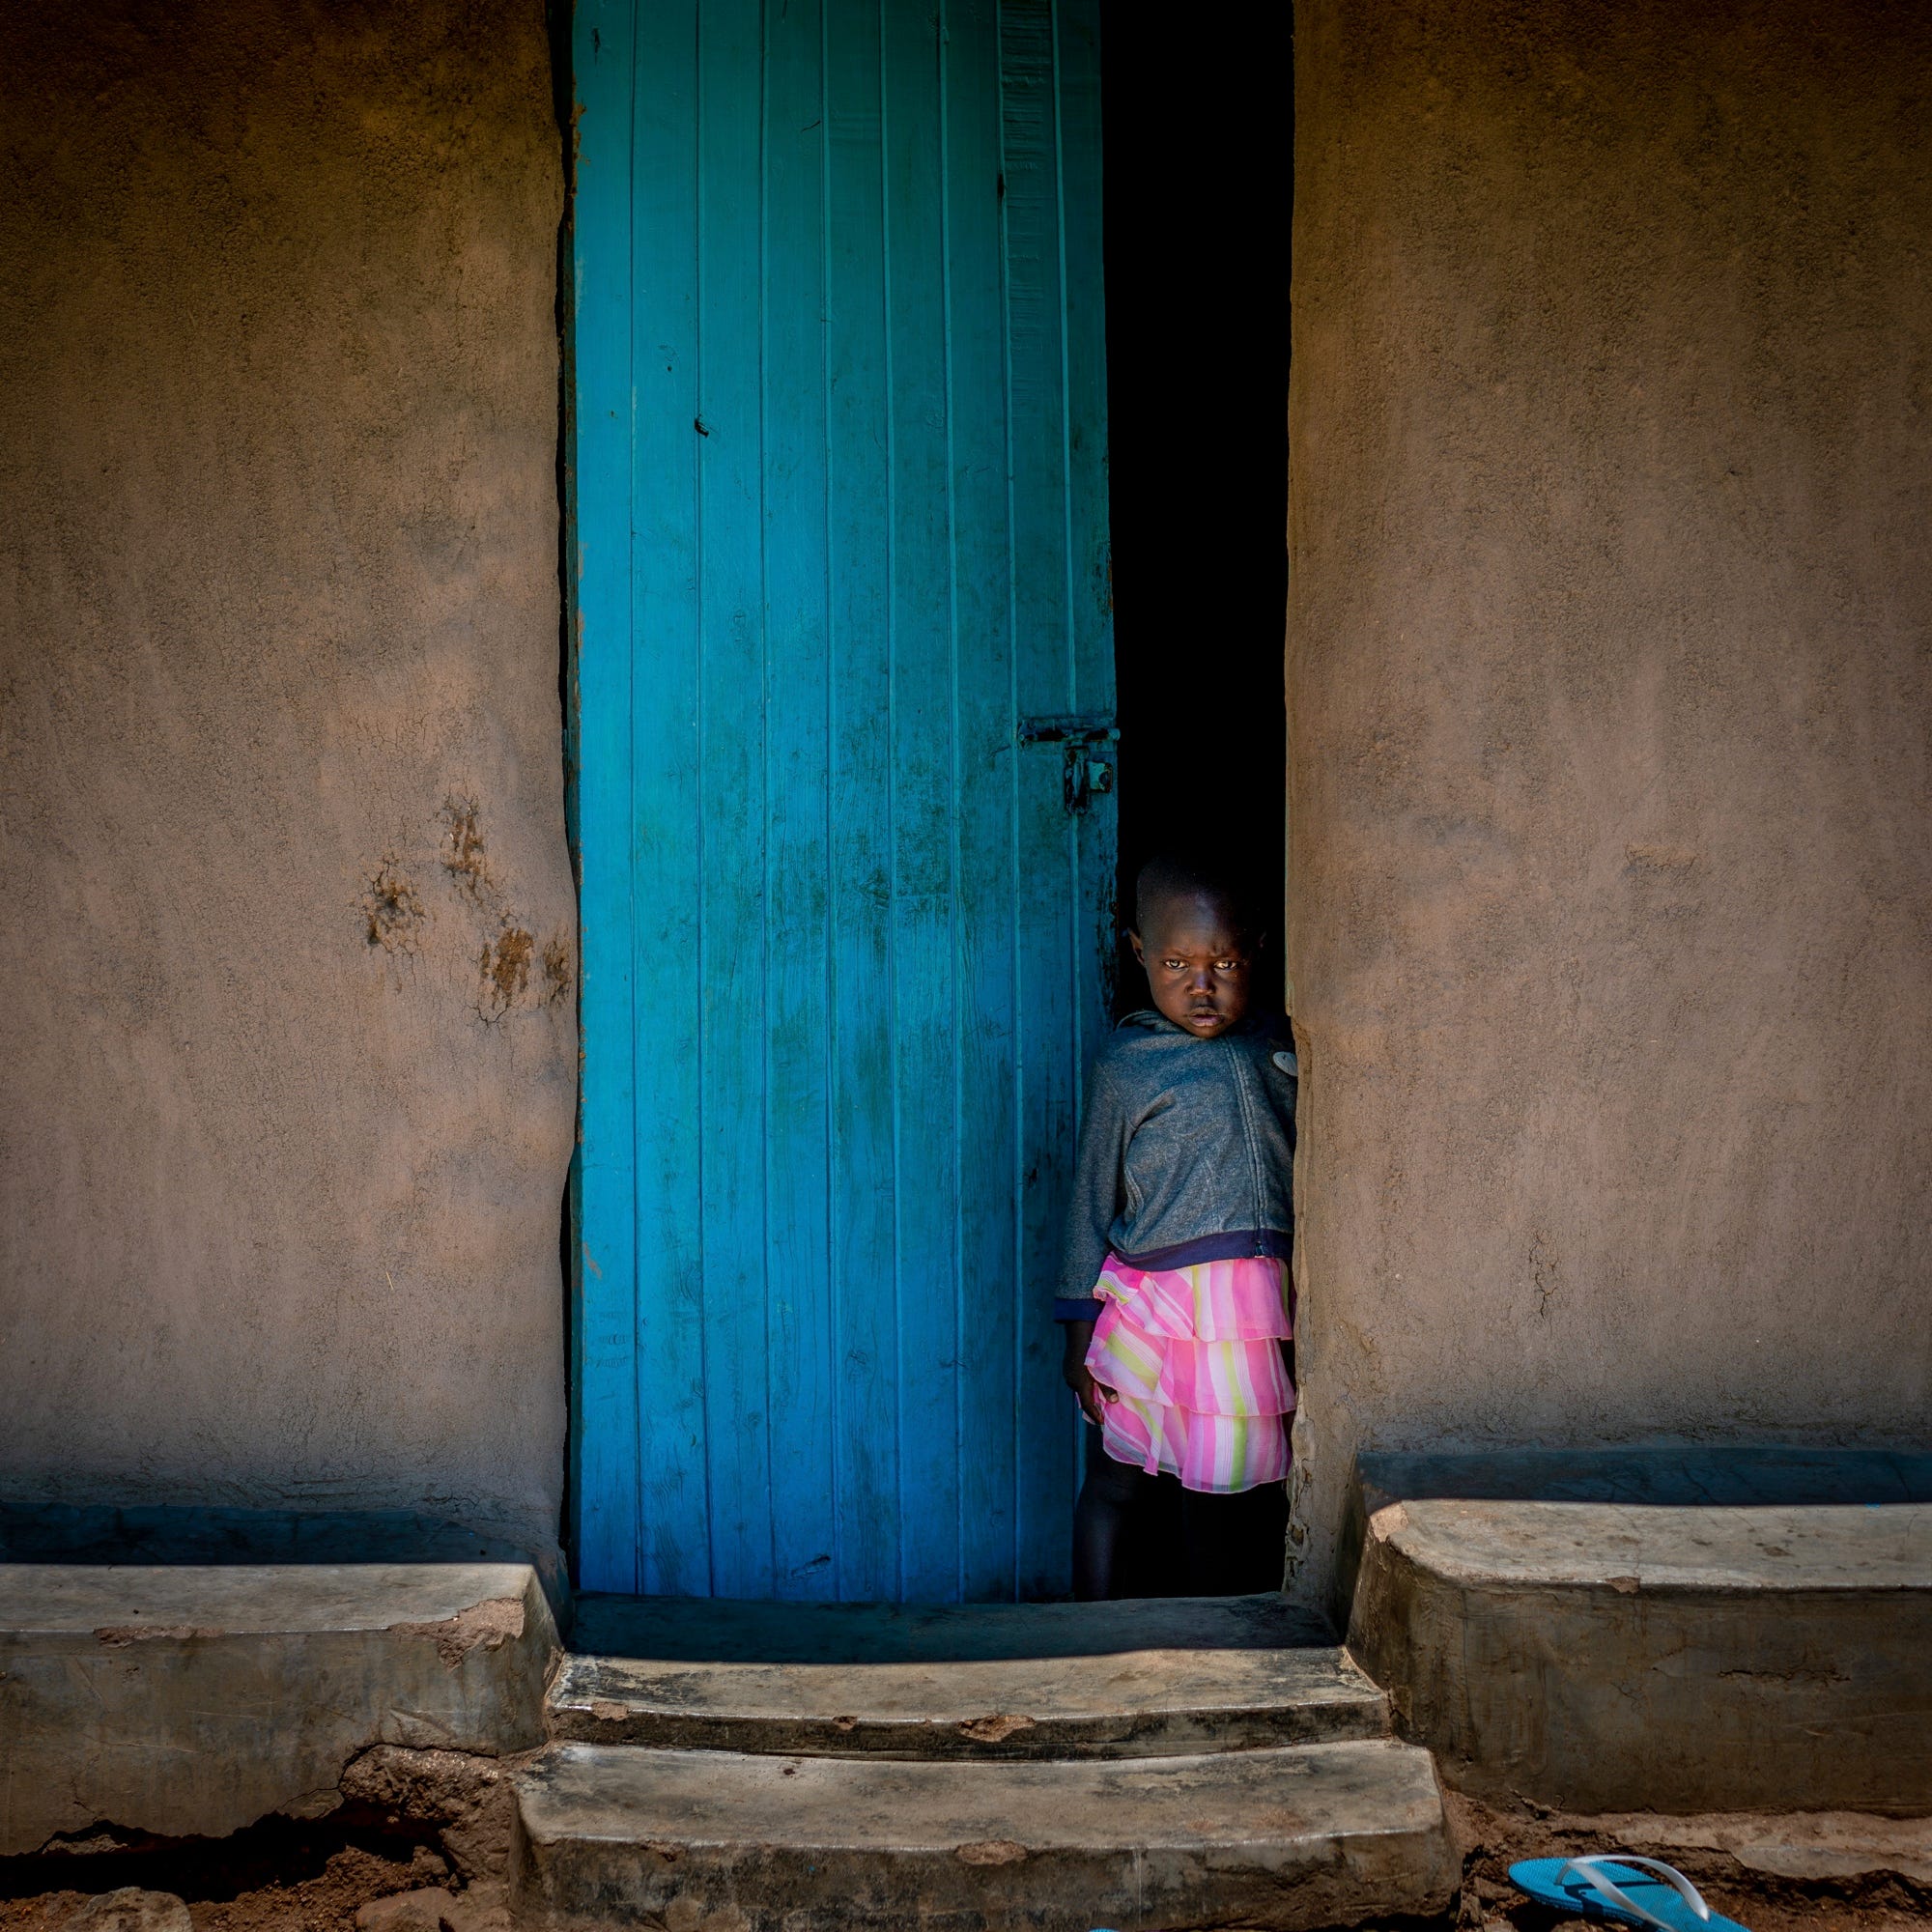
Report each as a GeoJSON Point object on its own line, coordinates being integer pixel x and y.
{"type": "Point", "coordinates": [1173, 1290]}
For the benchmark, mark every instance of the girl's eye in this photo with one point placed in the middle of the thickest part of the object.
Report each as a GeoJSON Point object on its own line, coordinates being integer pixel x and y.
{"type": "Point", "coordinates": [1226, 965]}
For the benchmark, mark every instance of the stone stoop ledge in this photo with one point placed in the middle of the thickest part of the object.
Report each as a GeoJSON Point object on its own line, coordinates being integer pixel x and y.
{"type": "Point", "coordinates": [1659, 1629]}
{"type": "Point", "coordinates": [194, 1697]}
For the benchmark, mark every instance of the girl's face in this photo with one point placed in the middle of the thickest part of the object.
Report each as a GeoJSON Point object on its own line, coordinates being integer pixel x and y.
{"type": "Point", "coordinates": [1197, 965]}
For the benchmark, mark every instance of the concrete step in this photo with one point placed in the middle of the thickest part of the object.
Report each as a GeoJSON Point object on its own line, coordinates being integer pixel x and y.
{"type": "Point", "coordinates": [1312, 1835]}
{"type": "Point", "coordinates": [982, 1681]}
{"type": "Point", "coordinates": [1661, 1629]}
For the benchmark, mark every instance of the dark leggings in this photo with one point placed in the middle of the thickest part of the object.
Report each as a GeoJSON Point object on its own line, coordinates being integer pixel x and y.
{"type": "Point", "coordinates": [1144, 1536]}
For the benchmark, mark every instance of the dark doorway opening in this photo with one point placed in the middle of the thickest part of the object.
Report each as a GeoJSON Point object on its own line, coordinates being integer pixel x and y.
{"type": "Point", "coordinates": [1197, 186]}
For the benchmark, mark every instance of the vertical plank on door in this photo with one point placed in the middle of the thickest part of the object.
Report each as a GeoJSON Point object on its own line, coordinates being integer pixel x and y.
{"type": "Point", "coordinates": [921, 726]}
{"type": "Point", "coordinates": [606, 1493]}
{"type": "Point", "coordinates": [1089, 570]}
{"type": "Point", "coordinates": [863, 1179]}
{"type": "Point", "coordinates": [666, 934]}
{"type": "Point", "coordinates": [799, 1326]}
{"type": "Point", "coordinates": [990, 1288]}
{"type": "Point", "coordinates": [1089, 588]}
{"type": "Point", "coordinates": [1046, 686]}
{"type": "Point", "coordinates": [727, 431]}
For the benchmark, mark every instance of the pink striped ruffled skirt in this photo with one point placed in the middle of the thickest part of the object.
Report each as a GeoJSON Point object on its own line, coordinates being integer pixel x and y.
{"type": "Point", "coordinates": [1194, 1355]}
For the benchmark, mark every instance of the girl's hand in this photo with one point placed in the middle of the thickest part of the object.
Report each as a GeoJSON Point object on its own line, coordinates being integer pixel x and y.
{"type": "Point", "coordinates": [1091, 1395]}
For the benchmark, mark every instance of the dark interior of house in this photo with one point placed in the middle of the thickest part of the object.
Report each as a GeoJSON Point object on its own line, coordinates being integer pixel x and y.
{"type": "Point", "coordinates": [1198, 189]}
{"type": "Point", "coordinates": [1199, 186]}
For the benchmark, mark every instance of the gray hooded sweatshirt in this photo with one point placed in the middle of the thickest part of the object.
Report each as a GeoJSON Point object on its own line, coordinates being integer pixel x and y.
{"type": "Point", "coordinates": [1186, 1152]}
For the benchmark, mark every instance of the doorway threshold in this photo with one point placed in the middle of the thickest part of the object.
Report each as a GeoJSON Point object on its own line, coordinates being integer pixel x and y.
{"type": "Point", "coordinates": [1144, 1677]}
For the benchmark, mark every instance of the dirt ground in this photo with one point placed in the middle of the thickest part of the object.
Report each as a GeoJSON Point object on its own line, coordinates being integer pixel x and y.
{"type": "Point", "coordinates": [1844, 1873]}
{"type": "Point", "coordinates": [278, 1876]}
{"type": "Point", "coordinates": [418, 1842]}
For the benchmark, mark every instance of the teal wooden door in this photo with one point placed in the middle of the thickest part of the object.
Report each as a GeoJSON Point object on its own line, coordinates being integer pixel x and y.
{"type": "Point", "coordinates": [843, 690]}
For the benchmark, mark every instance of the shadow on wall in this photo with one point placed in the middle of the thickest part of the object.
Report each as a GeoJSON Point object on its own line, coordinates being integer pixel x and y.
{"type": "Point", "coordinates": [1661, 1476]}
{"type": "Point", "coordinates": [173, 1537]}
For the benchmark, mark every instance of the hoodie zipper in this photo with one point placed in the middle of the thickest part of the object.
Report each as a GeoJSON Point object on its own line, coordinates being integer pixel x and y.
{"type": "Point", "coordinates": [1246, 1109]}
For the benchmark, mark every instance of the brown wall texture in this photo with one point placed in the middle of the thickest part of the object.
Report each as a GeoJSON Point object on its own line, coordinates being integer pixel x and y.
{"type": "Point", "coordinates": [289, 1069]}
{"type": "Point", "coordinates": [1610, 801]}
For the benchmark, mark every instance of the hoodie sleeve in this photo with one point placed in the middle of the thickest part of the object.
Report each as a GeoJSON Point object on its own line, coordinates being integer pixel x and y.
{"type": "Point", "coordinates": [1096, 1202]}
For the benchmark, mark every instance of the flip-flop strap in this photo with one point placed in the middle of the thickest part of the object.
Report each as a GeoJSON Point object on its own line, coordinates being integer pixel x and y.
{"type": "Point", "coordinates": [1588, 1869]}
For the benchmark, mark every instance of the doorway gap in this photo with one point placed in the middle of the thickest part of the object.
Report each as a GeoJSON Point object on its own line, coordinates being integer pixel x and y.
{"type": "Point", "coordinates": [1198, 186]}
{"type": "Point", "coordinates": [1197, 178]}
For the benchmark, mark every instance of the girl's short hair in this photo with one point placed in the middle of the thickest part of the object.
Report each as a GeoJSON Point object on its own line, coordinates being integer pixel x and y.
{"type": "Point", "coordinates": [1169, 876]}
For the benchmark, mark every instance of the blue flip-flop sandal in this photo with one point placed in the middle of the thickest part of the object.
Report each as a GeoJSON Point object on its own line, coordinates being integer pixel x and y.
{"type": "Point", "coordinates": [1621, 1890]}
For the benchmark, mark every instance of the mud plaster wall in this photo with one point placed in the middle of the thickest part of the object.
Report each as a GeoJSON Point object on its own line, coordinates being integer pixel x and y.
{"type": "Point", "coordinates": [1610, 832]}
{"type": "Point", "coordinates": [289, 1060]}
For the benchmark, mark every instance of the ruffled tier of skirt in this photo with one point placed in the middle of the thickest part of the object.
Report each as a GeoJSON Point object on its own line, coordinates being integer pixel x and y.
{"type": "Point", "coordinates": [1194, 1357]}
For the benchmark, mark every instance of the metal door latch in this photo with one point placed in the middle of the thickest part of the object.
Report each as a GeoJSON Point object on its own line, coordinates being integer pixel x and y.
{"type": "Point", "coordinates": [1086, 755]}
